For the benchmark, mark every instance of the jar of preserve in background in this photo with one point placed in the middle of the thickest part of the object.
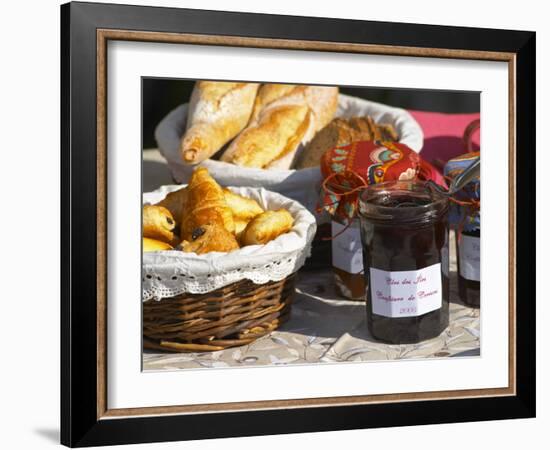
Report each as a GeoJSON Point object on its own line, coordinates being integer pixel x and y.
{"type": "Point", "coordinates": [347, 259]}
{"type": "Point", "coordinates": [405, 238]}
{"type": "Point", "coordinates": [464, 217]}
{"type": "Point", "coordinates": [347, 170]}
{"type": "Point", "coordinates": [468, 259]}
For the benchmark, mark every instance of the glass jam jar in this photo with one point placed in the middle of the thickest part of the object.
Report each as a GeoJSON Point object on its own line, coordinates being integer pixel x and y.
{"type": "Point", "coordinates": [405, 238]}
{"type": "Point", "coordinates": [347, 259]}
{"type": "Point", "coordinates": [468, 258]}
{"type": "Point", "coordinates": [465, 219]}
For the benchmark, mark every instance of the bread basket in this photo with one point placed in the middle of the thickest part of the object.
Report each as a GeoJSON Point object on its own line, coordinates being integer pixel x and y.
{"type": "Point", "coordinates": [219, 300]}
{"type": "Point", "coordinates": [301, 185]}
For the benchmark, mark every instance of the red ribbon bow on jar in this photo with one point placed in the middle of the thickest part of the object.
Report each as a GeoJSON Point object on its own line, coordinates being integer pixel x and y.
{"type": "Point", "coordinates": [350, 168]}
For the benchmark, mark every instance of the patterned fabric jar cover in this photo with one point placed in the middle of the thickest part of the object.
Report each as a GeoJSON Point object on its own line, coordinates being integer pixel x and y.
{"type": "Point", "coordinates": [464, 216]}
{"type": "Point", "coordinates": [349, 168]}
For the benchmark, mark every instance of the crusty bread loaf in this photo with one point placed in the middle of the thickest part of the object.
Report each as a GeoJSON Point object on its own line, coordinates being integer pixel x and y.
{"type": "Point", "coordinates": [267, 94]}
{"type": "Point", "coordinates": [342, 132]}
{"type": "Point", "coordinates": [278, 132]}
{"type": "Point", "coordinates": [322, 100]}
{"type": "Point", "coordinates": [218, 111]}
{"type": "Point", "coordinates": [284, 116]}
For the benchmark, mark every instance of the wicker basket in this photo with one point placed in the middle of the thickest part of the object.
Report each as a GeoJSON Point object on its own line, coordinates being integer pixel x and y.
{"type": "Point", "coordinates": [301, 185]}
{"type": "Point", "coordinates": [230, 316]}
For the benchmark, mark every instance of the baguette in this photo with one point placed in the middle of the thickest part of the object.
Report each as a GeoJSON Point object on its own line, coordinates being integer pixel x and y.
{"type": "Point", "coordinates": [267, 94]}
{"type": "Point", "coordinates": [284, 117]}
{"type": "Point", "coordinates": [322, 100]}
{"type": "Point", "coordinates": [218, 111]}
{"type": "Point", "coordinates": [278, 132]}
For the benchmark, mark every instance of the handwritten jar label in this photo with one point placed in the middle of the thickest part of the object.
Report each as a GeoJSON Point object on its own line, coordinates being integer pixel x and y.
{"type": "Point", "coordinates": [468, 249]}
{"type": "Point", "coordinates": [407, 293]}
{"type": "Point", "coordinates": [347, 251]}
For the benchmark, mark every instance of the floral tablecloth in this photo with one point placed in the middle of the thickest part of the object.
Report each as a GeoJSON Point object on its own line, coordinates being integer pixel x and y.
{"type": "Point", "coordinates": [324, 328]}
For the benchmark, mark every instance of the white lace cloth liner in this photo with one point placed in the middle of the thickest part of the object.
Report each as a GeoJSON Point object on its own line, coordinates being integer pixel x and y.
{"type": "Point", "coordinates": [171, 273]}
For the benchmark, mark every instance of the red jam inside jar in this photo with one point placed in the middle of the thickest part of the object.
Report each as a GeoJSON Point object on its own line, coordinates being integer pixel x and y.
{"type": "Point", "coordinates": [468, 251]}
{"type": "Point", "coordinates": [405, 238]}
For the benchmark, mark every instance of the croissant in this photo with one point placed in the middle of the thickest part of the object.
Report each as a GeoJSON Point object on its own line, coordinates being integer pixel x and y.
{"type": "Point", "coordinates": [175, 203]}
{"type": "Point", "coordinates": [205, 204]}
{"type": "Point", "coordinates": [158, 223]}
{"type": "Point", "coordinates": [240, 226]}
{"type": "Point", "coordinates": [210, 237]}
{"type": "Point", "coordinates": [152, 245]}
{"type": "Point", "coordinates": [218, 111]}
{"type": "Point", "coordinates": [243, 208]}
{"type": "Point", "coordinates": [266, 227]}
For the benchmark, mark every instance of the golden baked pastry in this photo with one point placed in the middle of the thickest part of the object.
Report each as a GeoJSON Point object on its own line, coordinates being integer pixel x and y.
{"type": "Point", "coordinates": [205, 204]}
{"type": "Point", "coordinates": [240, 226]}
{"type": "Point", "coordinates": [276, 133]}
{"type": "Point", "coordinates": [153, 245]}
{"type": "Point", "coordinates": [210, 237]}
{"type": "Point", "coordinates": [242, 207]}
{"type": "Point", "coordinates": [175, 203]}
{"type": "Point", "coordinates": [267, 94]}
{"type": "Point", "coordinates": [218, 111]}
{"type": "Point", "coordinates": [321, 100]}
{"type": "Point", "coordinates": [158, 223]}
{"type": "Point", "coordinates": [284, 116]}
{"type": "Point", "coordinates": [266, 227]}
{"type": "Point", "coordinates": [342, 132]}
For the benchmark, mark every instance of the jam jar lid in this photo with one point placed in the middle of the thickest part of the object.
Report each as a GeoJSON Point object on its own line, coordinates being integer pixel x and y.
{"type": "Point", "coordinates": [402, 202]}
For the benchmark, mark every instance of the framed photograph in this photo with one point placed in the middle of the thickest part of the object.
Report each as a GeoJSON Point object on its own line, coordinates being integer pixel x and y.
{"type": "Point", "coordinates": [272, 224]}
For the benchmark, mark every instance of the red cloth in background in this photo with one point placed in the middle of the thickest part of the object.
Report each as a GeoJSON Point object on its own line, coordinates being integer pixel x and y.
{"type": "Point", "coordinates": [443, 135]}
